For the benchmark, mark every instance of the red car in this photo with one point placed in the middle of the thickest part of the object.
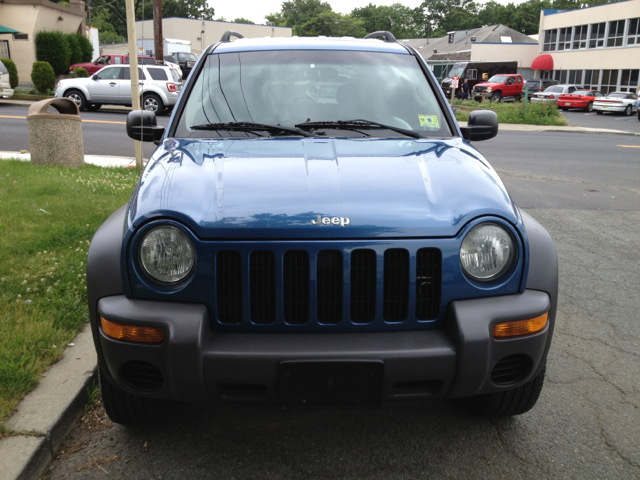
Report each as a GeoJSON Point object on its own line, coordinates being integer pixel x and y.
{"type": "Point", "coordinates": [578, 99]}
{"type": "Point", "coordinates": [110, 59]}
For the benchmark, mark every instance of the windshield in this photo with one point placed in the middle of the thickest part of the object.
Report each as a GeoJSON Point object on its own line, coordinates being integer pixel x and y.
{"type": "Point", "coordinates": [3, 69]}
{"type": "Point", "coordinates": [457, 70]}
{"type": "Point", "coordinates": [586, 93]}
{"type": "Point", "coordinates": [554, 89]}
{"type": "Point", "coordinates": [618, 95]}
{"type": "Point", "coordinates": [187, 56]}
{"type": "Point", "coordinates": [498, 79]}
{"type": "Point", "coordinates": [292, 86]}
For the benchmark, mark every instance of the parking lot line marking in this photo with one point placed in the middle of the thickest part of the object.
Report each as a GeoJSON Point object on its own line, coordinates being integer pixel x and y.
{"type": "Point", "coordinates": [88, 121]}
{"type": "Point", "coordinates": [629, 146]}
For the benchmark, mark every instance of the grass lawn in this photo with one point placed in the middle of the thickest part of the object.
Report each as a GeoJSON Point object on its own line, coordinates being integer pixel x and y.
{"type": "Point", "coordinates": [535, 113]}
{"type": "Point", "coordinates": [47, 220]}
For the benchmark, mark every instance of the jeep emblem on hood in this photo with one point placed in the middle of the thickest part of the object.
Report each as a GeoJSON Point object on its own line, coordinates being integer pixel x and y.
{"type": "Point", "coordinates": [342, 221]}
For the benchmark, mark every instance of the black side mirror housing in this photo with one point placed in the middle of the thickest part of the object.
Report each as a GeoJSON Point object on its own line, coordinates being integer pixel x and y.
{"type": "Point", "coordinates": [482, 125]}
{"type": "Point", "coordinates": [143, 126]}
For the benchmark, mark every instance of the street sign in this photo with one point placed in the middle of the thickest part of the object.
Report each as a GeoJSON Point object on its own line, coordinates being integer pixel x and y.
{"type": "Point", "coordinates": [454, 82]}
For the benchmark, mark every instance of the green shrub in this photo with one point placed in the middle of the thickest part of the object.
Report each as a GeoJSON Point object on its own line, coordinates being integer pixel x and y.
{"type": "Point", "coordinates": [86, 47]}
{"type": "Point", "coordinates": [79, 72]}
{"type": "Point", "coordinates": [54, 48]}
{"type": "Point", "coordinates": [76, 51]}
{"type": "Point", "coordinates": [43, 77]}
{"type": "Point", "coordinates": [13, 71]}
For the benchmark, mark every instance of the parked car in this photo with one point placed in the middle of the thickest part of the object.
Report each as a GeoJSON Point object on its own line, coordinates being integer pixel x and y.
{"type": "Point", "coordinates": [159, 88]}
{"type": "Point", "coordinates": [579, 99]}
{"type": "Point", "coordinates": [5, 83]}
{"type": "Point", "coordinates": [186, 62]}
{"type": "Point", "coordinates": [110, 59]}
{"type": "Point", "coordinates": [499, 87]}
{"type": "Point", "coordinates": [552, 94]}
{"type": "Point", "coordinates": [620, 102]}
{"type": "Point", "coordinates": [537, 85]}
{"type": "Point", "coordinates": [170, 61]}
{"type": "Point", "coordinates": [293, 242]}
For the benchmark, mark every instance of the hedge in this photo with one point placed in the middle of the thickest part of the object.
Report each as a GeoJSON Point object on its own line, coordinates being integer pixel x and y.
{"type": "Point", "coordinates": [79, 72]}
{"type": "Point", "coordinates": [54, 48]}
{"type": "Point", "coordinates": [13, 71]}
{"type": "Point", "coordinates": [43, 77]}
{"type": "Point", "coordinates": [61, 50]}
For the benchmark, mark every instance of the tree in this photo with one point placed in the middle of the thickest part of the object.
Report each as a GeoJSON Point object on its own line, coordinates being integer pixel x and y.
{"type": "Point", "coordinates": [244, 20]}
{"type": "Point", "coordinates": [402, 21]}
{"type": "Point", "coordinates": [332, 24]}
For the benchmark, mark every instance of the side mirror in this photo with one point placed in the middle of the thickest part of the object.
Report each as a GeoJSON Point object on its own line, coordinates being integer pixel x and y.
{"type": "Point", "coordinates": [95, 78]}
{"type": "Point", "coordinates": [143, 126]}
{"type": "Point", "coordinates": [482, 125]}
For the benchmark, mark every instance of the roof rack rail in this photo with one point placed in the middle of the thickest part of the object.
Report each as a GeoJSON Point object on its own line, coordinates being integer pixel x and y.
{"type": "Point", "coordinates": [226, 36]}
{"type": "Point", "coordinates": [387, 36]}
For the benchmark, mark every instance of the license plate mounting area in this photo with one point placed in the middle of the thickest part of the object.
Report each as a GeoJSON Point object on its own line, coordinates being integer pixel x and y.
{"type": "Point", "coordinates": [330, 383]}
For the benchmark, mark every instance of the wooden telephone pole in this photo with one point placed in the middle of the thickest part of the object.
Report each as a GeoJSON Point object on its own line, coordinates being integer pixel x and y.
{"type": "Point", "coordinates": [157, 30]}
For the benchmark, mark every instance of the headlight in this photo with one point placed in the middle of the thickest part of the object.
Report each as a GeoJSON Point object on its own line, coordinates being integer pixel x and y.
{"type": "Point", "coordinates": [488, 89]}
{"type": "Point", "coordinates": [486, 252]}
{"type": "Point", "coordinates": [167, 255]}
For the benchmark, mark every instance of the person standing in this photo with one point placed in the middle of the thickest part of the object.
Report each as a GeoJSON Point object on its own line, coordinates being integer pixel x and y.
{"type": "Point", "coordinates": [465, 90]}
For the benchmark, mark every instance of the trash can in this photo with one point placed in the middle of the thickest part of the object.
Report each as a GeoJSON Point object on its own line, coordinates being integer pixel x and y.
{"type": "Point", "coordinates": [55, 138]}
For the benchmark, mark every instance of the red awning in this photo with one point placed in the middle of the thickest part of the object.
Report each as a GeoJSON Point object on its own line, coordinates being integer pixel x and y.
{"type": "Point", "coordinates": [542, 62]}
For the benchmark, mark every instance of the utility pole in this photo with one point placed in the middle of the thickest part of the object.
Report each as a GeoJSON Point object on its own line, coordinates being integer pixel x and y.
{"type": "Point", "coordinates": [157, 30]}
{"type": "Point", "coordinates": [133, 67]}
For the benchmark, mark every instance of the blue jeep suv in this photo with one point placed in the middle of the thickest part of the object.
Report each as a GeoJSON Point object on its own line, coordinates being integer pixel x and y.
{"type": "Point", "coordinates": [316, 230]}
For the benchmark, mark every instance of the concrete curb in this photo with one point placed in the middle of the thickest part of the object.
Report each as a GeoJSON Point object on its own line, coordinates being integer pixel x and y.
{"type": "Point", "coordinates": [99, 160]}
{"type": "Point", "coordinates": [49, 412]}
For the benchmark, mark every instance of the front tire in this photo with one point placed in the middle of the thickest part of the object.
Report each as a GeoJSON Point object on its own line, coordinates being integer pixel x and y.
{"type": "Point", "coordinates": [628, 110]}
{"type": "Point", "coordinates": [127, 409]}
{"type": "Point", "coordinates": [496, 97]}
{"type": "Point", "coordinates": [510, 402]}
{"type": "Point", "coordinates": [589, 107]}
{"type": "Point", "coordinates": [78, 98]}
{"type": "Point", "coordinates": [152, 103]}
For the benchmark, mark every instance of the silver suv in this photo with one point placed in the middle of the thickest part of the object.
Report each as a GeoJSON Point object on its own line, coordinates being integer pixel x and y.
{"type": "Point", "coordinates": [159, 88]}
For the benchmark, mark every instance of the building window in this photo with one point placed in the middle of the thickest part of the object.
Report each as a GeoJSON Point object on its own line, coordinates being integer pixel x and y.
{"type": "Point", "coordinates": [472, 74]}
{"type": "Point", "coordinates": [596, 39]}
{"type": "Point", "coordinates": [580, 36]}
{"type": "Point", "coordinates": [4, 49]}
{"type": "Point", "coordinates": [616, 33]}
{"type": "Point", "coordinates": [21, 36]}
{"type": "Point", "coordinates": [629, 81]}
{"type": "Point", "coordinates": [609, 81]}
{"type": "Point", "coordinates": [575, 77]}
{"type": "Point", "coordinates": [564, 38]}
{"type": "Point", "coordinates": [591, 79]}
{"type": "Point", "coordinates": [563, 76]}
{"type": "Point", "coordinates": [550, 37]}
{"type": "Point", "coordinates": [633, 34]}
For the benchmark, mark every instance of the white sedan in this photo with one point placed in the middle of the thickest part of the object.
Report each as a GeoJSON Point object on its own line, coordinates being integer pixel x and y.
{"type": "Point", "coordinates": [621, 102]}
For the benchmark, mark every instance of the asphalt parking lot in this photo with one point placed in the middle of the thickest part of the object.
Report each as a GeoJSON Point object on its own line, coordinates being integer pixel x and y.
{"type": "Point", "coordinates": [618, 121]}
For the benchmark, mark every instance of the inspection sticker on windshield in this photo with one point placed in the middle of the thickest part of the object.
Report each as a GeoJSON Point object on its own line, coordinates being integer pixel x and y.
{"type": "Point", "coordinates": [429, 121]}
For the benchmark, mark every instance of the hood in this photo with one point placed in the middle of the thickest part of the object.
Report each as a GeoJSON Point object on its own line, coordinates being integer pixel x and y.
{"type": "Point", "coordinates": [80, 81]}
{"type": "Point", "coordinates": [83, 65]}
{"type": "Point", "coordinates": [286, 187]}
{"type": "Point", "coordinates": [488, 84]}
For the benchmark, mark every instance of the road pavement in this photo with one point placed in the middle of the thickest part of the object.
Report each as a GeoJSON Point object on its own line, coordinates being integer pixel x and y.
{"type": "Point", "coordinates": [580, 118]}
{"type": "Point", "coordinates": [584, 189]}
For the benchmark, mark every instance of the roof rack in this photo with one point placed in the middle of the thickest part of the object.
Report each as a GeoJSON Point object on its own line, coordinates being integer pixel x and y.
{"type": "Point", "coordinates": [226, 36]}
{"type": "Point", "coordinates": [387, 36]}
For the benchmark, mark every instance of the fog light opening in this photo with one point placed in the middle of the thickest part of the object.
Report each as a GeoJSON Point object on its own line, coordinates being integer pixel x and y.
{"type": "Point", "coordinates": [520, 327]}
{"type": "Point", "coordinates": [131, 333]}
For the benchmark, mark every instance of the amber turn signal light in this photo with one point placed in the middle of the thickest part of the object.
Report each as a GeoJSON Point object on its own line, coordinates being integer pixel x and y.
{"type": "Point", "coordinates": [520, 327]}
{"type": "Point", "coordinates": [131, 333]}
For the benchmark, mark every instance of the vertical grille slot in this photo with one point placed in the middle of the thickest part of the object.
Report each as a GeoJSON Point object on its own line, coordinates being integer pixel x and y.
{"type": "Point", "coordinates": [330, 286]}
{"type": "Point", "coordinates": [229, 286]}
{"type": "Point", "coordinates": [296, 287]}
{"type": "Point", "coordinates": [428, 281]}
{"type": "Point", "coordinates": [262, 286]}
{"type": "Point", "coordinates": [363, 285]}
{"type": "Point", "coordinates": [396, 285]}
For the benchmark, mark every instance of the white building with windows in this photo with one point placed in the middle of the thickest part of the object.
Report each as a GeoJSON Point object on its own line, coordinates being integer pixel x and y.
{"type": "Point", "coordinates": [598, 47]}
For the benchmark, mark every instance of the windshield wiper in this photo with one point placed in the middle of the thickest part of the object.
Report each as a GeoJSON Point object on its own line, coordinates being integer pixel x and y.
{"type": "Point", "coordinates": [357, 124]}
{"type": "Point", "coordinates": [250, 127]}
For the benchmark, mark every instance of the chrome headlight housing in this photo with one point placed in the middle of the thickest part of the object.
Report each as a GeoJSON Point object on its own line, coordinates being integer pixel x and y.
{"type": "Point", "coordinates": [166, 254]}
{"type": "Point", "coordinates": [488, 89]}
{"type": "Point", "coordinates": [487, 252]}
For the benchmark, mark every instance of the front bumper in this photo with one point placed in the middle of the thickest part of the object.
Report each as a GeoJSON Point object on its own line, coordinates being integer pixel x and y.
{"type": "Point", "coordinates": [6, 92]}
{"type": "Point", "coordinates": [195, 363]}
{"type": "Point", "coordinates": [610, 108]}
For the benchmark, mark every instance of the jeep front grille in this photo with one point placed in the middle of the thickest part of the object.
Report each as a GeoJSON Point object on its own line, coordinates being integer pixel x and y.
{"type": "Point", "coordinates": [328, 287]}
